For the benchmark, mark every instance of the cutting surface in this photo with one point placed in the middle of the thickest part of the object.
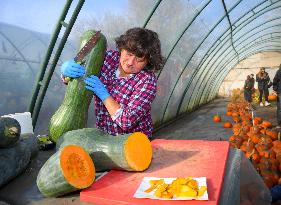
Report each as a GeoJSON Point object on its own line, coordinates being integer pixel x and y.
{"type": "Point", "coordinates": [171, 158]}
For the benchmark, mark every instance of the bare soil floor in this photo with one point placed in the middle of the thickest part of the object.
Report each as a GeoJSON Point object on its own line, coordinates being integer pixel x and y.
{"type": "Point", "coordinates": [196, 125]}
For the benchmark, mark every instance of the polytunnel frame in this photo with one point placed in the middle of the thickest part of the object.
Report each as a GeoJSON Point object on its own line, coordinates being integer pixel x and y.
{"type": "Point", "coordinates": [19, 52]}
{"type": "Point", "coordinates": [36, 102]}
{"type": "Point", "coordinates": [210, 31]}
{"type": "Point", "coordinates": [208, 53]}
{"type": "Point", "coordinates": [216, 87]}
{"type": "Point", "coordinates": [220, 44]}
{"type": "Point", "coordinates": [218, 66]}
{"type": "Point", "coordinates": [258, 50]}
{"type": "Point", "coordinates": [189, 59]}
{"type": "Point", "coordinates": [229, 67]}
{"type": "Point", "coordinates": [181, 35]}
{"type": "Point", "coordinates": [233, 57]}
{"type": "Point", "coordinates": [228, 61]}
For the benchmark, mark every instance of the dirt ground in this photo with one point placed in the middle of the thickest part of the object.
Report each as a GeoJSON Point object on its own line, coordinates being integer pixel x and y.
{"type": "Point", "coordinates": [196, 125]}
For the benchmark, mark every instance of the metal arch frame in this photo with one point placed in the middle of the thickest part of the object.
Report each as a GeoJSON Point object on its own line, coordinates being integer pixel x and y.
{"type": "Point", "coordinates": [195, 99]}
{"type": "Point", "coordinates": [165, 109]}
{"type": "Point", "coordinates": [23, 57]}
{"type": "Point", "coordinates": [230, 66]}
{"type": "Point", "coordinates": [216, 87]}
{"type": "Point", "coordinates": [218, 65]}
{"type": "Point", "coordinates": [181, 35]}
{"type": "Point", "coordinates": [208, 70]}
{"type": "Point", "coordinates": [37, 101]}
{"type": "Point", "coordinates": [227, 62]}
{"type": "Point", "coordinates": [151, 13]}
{"type": "Point", "coordinates": [261, 12]}
{"type": "Point", "coordinates": [220, 43]}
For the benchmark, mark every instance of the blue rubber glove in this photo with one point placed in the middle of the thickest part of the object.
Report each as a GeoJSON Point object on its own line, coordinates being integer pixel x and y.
{"type": "Point", "coordinates": [72, 69]}
{"type": "Point", "coordinates": [94, 84]}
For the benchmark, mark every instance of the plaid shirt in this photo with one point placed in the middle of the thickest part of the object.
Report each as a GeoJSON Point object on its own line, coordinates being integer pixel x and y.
{"type": "Point", "coordinates": [135, 95]}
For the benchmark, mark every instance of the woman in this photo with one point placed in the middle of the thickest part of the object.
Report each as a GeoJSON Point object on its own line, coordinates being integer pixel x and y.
{"type": "Point", "coordinates": [248, 89]}
{"type": "Point", "coordinates": [263, 80]}
{"type": "Point", "coordinates": [126, 86]}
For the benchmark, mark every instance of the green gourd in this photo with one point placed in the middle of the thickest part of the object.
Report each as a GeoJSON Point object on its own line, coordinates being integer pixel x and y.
{"type": "Point", "coordinates": [10, 131]}
{"type": "Point", "coordinates": [73, 112]}
{"type": "Point", "coordinates": [130, 152]}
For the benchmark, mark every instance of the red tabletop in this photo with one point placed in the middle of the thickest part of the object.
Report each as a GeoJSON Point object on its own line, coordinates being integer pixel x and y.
{"type": "Point", "coordinates": [171, 158]}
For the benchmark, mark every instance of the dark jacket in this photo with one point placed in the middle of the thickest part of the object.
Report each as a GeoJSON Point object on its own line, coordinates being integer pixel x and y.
{"type": "Point", "coordinates": [263, 82]}
{"type": "Point", "coordinates": [249, 84]}
{"type": "Point", "coordinates": [277, 81]}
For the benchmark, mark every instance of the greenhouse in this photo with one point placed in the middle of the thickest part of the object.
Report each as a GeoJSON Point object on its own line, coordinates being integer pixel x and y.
{"type": "Point", "coordinates": [140, 102]}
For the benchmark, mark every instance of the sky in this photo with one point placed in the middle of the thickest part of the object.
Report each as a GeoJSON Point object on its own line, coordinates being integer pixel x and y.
{"type": "Point", "coordinates": [42, 15]}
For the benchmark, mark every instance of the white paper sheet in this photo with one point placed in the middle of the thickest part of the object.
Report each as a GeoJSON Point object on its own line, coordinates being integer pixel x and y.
{"type": "Point", "coordinates": [145, 185]}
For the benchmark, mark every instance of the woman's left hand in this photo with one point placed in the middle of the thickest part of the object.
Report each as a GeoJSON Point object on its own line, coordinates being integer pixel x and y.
{"type": "Point", "coordinates": [94, 84]}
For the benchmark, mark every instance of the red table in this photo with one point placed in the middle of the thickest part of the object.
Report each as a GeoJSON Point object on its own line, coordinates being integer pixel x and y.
{"type": "Point", "coordinates": [171, 158]}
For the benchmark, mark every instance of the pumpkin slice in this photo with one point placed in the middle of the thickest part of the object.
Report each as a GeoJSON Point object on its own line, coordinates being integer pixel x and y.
{"type": "Point", "coordinates": [136, 145]}
{"type": "Point", "coordinates": [68, 170]}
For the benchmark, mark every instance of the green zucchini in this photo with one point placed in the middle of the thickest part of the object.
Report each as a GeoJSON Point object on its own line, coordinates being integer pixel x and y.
{"type": "Point", "coordinates": [130, 152]}
{"type": "Point", "coordinates": [73, 112]}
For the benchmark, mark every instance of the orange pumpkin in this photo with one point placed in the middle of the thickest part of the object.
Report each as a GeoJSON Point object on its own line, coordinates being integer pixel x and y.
{"type": "Point", "coordinates": [229, 113]}
{"type": "Point", "coordinates": [272, 134]}
{"type": "Point", "coordinates": [227, 124]}
{"type": "Point", "coordinates": [266, 124]}
{"type": "Point", "coordinates": [272, 97]}
{"type": "Point", "coordinates": [217, 118]}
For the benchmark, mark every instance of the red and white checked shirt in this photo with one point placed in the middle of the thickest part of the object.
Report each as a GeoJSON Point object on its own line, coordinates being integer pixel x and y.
{"type": "Point", "coordinates": [135, 95]}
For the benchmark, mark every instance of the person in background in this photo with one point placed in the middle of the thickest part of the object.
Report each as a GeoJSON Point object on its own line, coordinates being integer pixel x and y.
{"type": "Point", "coordinates": [126, 87]}
{"type": "Point", "coordinates": [248, 89]}
{"type": "Point", "coordinates": [263, 80]}
{"type": "Point", "coordinates": [277, 91]}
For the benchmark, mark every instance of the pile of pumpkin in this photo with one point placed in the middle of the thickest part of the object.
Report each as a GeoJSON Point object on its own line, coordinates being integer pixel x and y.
{"type": "Point", "coordinates": [256, 138]}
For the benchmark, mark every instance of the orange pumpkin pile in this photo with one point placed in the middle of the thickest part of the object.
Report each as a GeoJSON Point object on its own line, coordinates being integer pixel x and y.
{"type": "Point", "coordinates": [259, 143]}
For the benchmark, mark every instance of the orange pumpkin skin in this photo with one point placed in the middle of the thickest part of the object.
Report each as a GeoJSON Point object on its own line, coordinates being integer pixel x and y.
{"type": "Point", "coordinates": [229, 113]}
{"type": "Point", "coordinates": [272, 97]}
{"type": "Point", "coordinates": [227, 124]}
{"type": "Point", "coordinates": [217, 118]}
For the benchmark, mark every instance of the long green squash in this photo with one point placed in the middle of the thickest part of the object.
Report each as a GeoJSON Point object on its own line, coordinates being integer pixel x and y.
{"type": "Point", "coordinates": [69, 169]}
{"type": "Point", "coordinates": [73, 112]}
{"type": "Point", "coordinates": [131, 152]}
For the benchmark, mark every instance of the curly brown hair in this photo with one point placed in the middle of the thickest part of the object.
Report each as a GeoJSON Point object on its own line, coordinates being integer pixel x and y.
{"type": "Point", "coordinates": [142, 43]}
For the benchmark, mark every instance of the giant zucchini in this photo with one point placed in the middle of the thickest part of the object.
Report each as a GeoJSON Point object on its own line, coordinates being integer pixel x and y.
{"type": "Point", "coordinates": [68, 170]}
{"type": "Point", "coordinates": [73, 112]}
{"type": "Point", "coordinates": [131, 152]}
{"type": "Point", "coordinates": [10, 131]}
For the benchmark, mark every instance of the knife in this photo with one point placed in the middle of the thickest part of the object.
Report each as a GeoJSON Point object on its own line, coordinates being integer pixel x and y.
{"type": "Point", "coordinates": [84, 51]}
{"type": "Point", "coordinates": [87, 48]}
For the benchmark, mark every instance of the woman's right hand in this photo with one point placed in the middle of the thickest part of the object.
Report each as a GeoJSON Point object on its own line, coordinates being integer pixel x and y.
{"type": "Point", "coordinates": [72, 69]}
